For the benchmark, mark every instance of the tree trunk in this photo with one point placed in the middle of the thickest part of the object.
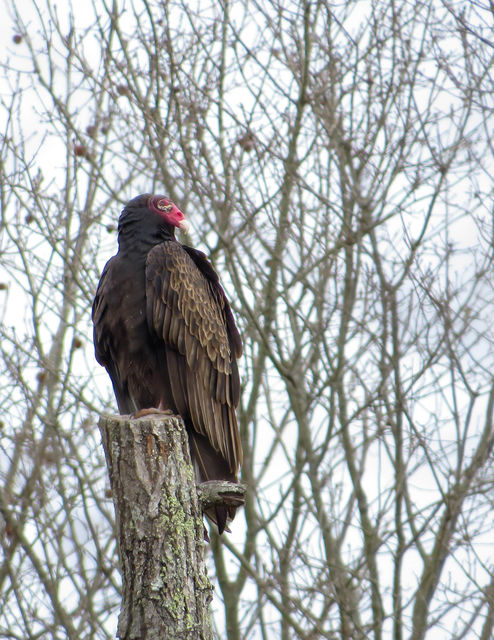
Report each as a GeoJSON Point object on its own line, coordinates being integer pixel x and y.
{"type": "Point", "coordinates": [166, 590]}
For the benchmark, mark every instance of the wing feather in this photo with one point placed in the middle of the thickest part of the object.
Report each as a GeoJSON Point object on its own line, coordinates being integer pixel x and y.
{"type": "Point", "coordinates": [111, 329]}
{"type": "Point", "coordinates": [188, 311]}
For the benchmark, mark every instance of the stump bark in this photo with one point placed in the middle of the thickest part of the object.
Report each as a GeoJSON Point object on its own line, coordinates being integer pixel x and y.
{"type": "Point", "coordinates": [166, 590]}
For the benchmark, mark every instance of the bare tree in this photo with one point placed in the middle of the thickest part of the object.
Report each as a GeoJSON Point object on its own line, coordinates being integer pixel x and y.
{"type": "Point", "coordinates": [335, 160]}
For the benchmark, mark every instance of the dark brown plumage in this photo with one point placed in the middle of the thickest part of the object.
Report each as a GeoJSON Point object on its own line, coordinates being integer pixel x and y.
{"type": "Point", "coordinates": [164, 330]}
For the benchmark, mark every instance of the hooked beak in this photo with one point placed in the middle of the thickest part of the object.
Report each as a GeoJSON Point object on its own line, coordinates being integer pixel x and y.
{"type": "Point", "coordinates": [184, 225]}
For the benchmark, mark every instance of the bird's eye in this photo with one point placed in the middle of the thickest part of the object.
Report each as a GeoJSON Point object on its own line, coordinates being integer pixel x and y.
{"type": "Point", "coordinates": [163, 205]}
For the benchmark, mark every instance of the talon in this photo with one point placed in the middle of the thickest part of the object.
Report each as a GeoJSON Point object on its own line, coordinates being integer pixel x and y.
{"type": "Point", "coordinates": [152, 410]}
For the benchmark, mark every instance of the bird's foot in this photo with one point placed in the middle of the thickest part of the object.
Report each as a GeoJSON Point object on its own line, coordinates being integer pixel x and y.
{"type": "Point", "coordinates": [153, 410]}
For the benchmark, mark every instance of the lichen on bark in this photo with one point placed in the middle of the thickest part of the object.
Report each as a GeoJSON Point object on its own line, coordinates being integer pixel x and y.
{"type": "Point", "coordinates": [166, 590]}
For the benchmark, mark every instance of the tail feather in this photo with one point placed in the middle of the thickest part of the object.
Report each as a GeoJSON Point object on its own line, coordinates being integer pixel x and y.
{"type": "Point", "coordinates": [210, 465]}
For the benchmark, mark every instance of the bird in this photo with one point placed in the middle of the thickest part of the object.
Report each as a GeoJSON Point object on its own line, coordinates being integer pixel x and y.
{"type": "Point", "coordinates": [165, 332]}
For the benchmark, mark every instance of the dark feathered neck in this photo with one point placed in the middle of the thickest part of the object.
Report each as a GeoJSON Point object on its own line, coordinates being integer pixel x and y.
{"type": "Point", "coordinates": [140, 229]}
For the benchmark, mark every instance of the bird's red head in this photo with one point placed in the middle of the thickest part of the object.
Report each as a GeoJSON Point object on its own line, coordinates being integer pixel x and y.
{"type": "Point", "coordinates": [168, 211]}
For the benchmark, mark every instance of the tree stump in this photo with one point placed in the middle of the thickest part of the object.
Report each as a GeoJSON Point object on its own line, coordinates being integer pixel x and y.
{"type": "Point", "coordinates": [166, 590]}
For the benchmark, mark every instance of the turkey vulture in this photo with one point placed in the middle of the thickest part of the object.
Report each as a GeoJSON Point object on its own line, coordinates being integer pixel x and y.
{"type": "Point", "coordinates": [165, 333]}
